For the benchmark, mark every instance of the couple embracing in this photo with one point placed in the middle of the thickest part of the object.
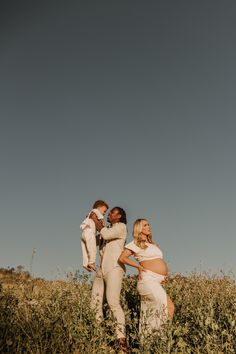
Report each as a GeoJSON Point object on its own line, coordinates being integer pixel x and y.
{"type": "Point", "coordinates": [156, 306]}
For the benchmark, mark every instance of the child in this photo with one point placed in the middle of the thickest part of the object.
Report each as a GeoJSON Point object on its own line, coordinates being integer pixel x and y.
{"type": "Point", "coordinates": [88, 237]}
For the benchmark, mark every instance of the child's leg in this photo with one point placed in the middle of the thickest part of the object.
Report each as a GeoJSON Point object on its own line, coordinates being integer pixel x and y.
{"type": "Point", "coordinates": [89, 238]}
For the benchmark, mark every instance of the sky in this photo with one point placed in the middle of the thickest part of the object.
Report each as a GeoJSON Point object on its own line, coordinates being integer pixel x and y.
{"type": "Point", "coordinates": [128, 101]}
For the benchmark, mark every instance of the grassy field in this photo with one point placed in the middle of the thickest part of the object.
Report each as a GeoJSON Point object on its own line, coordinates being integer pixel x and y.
{"type": "Point", "coordinates": [40, 317]}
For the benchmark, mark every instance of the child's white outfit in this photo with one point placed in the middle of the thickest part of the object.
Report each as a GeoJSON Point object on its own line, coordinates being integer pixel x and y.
{"type": "Point", "coordinates": [88, 239]}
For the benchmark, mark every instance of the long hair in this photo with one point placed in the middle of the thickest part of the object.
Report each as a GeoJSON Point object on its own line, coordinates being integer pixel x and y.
{"type": "Point", "coordinates": [122, 214]}
{"type": "Point", "coordinates": [137, 234]}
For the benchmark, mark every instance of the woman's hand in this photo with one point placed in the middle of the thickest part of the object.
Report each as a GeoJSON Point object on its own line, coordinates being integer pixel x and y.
{"type": "Point", "coordinates": [98, 223]}
{"type": "Point", "coordinates": [140, 270]}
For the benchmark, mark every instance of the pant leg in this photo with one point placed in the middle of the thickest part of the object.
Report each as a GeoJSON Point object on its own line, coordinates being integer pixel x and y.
{"type": "Point", "coordinates": [88, 246]}
{"type": "Point", "coordinates": [113, 281]}
{"type": "Point", "coordinates": [84, 254]}
{"type": "Point", "coordinates": [154, 312]}
{"type": "Point", "coordinates": [97, 298]}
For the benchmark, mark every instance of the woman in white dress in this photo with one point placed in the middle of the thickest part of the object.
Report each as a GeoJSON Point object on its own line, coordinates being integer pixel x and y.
{"type": "Point", "coordinates": [156, 305]}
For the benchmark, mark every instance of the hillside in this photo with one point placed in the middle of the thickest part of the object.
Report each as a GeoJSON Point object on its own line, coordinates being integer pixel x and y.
{"type": "Point", "coordinates": [40, 316]}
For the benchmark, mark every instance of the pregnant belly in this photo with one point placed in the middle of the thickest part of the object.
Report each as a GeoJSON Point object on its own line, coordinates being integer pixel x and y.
{"type": "Point", "coordinates": [156, 265]}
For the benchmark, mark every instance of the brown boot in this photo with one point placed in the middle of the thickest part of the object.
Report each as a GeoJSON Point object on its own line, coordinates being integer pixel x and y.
{"type": "Point", "coordinates": [123, 344]}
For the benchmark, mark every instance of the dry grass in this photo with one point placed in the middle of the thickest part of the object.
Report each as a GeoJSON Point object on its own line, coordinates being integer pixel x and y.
{"type": "Point", "coordinates": [40, 317]}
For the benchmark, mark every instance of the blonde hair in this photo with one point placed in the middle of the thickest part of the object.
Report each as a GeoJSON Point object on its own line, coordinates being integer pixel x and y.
{"type": "Point", "coordinates": [137, 234]}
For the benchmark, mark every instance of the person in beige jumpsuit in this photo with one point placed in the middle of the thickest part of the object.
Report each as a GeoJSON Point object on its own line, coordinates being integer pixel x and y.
{"type": "Point", "coordinates": [108, 279]}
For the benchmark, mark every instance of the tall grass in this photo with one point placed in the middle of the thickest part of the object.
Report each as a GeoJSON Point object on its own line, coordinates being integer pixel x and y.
{"type": "Point", "coordinates": [40, 317]}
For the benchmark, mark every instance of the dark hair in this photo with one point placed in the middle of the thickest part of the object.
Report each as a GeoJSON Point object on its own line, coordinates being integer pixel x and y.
{"type": "Point", "coordinates": [122, 213]}
{"type": "Point", "coordinates": [100, 203]}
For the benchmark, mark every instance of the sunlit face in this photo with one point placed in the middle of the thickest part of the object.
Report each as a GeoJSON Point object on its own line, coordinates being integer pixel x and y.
{"type": "Point", "coordinates": [145, 230]}
{"type": "Point", "coordinates": [102, 209]}
{"type": "Point", "coordinates": [114, 216]}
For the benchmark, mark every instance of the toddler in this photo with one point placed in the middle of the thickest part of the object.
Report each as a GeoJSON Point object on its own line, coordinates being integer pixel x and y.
{"type": "Point", "coordinates": [88, 237]}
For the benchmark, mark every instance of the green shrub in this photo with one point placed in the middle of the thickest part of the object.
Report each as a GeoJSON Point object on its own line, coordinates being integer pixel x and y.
{"type": "Point", "coordinates": [40, 317]}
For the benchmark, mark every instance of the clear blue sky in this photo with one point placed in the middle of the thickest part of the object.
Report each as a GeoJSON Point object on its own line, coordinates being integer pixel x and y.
{"type": "Point", "coordinates": [129, 101]}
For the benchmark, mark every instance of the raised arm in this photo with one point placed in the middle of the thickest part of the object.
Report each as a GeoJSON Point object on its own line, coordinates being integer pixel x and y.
{"type": "Point", "coordinates": [124, 259]}
{"type": "Point", "coordinates": [98, 223]}
{"type": "Point", "coordinates": [116, 231]}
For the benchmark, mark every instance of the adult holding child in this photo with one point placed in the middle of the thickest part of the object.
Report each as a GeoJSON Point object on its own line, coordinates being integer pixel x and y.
{"type": "Point", "coordinates": [108, 280]}
{"type": "Point", "coordinates": [156, 305]}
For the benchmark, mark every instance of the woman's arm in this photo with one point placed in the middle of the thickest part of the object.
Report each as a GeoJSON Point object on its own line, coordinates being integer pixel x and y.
{"type": "Point", "coordinates": [124, 258]}
{"type": "Point", "coordinates": [98, 223]}
{"type": "Point", "coordinates": [117, 230]}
